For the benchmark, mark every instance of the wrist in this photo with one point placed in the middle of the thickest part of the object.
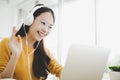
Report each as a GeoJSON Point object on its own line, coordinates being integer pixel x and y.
{"type": "Point", "coordinates": [15, 56]}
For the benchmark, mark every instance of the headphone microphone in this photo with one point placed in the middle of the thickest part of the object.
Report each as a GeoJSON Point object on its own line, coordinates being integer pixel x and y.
{"type": "Point", "coordinates": [30, 17]}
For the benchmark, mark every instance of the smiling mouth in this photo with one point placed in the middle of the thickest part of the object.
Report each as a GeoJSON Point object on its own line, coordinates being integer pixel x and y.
{"type": "Point", "coordinates": [40, 34]}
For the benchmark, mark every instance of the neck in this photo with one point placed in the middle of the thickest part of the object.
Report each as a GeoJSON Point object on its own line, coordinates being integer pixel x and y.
{"type": "Point", "coordinates": [29, 41]}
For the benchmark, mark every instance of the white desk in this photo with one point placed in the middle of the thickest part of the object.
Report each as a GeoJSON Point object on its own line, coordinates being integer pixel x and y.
{"type": "Point", "coordinates": [106, 79]}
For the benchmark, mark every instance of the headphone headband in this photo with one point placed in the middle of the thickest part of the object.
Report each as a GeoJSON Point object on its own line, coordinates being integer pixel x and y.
{"type": "Point", "coordinates": [36, 8]}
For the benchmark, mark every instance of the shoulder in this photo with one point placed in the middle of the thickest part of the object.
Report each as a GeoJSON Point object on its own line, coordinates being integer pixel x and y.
{"type": "Point", "coordinates": [4, 41]}
{"type": "Point", "coordinates": [4, 48]}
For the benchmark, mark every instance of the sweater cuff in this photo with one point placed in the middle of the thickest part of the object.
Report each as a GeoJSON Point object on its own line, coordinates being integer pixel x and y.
{"type": "Point", "coordinates": [55, 68]}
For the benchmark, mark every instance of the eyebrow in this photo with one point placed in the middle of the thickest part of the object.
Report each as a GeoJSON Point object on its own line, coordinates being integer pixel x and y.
{"type": "Point", "coordinates": [47, 22]}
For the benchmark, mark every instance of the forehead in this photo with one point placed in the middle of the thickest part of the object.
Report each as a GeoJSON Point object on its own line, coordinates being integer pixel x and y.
{"type": "Point", "coordinates": [47, 16]}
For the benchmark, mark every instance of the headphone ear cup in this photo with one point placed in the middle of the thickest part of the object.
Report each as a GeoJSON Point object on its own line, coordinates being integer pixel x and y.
{"type": "Point", "coordinates": [29, 19]}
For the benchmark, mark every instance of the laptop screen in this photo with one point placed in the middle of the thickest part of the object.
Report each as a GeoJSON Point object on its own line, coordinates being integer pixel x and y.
{"type": "Point", "coordinates": [85, 63]}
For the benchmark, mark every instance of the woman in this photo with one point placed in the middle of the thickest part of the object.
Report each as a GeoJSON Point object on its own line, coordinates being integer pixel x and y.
{"type": "Point", "coordinates": [23, 56]}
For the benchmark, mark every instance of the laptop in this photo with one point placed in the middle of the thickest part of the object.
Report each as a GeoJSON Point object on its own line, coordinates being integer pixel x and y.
{"type": "Point", "coordinates": [85, 63]}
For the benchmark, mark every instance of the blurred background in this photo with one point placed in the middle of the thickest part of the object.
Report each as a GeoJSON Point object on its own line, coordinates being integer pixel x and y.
{"type": "Point", "coordinates": [88, 22]}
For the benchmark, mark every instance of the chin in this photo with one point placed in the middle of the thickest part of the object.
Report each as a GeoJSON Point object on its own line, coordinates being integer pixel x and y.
{"type": "Point", "coordinates": [39, 39]}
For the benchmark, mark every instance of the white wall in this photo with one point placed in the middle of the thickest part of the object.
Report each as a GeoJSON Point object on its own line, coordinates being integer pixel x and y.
{"type": "Point", "coordinates": [78, 25]}
{"type": "Point", "coordinates": [108, 25]}
{"type": "Point", "coordinates": [7, 20]}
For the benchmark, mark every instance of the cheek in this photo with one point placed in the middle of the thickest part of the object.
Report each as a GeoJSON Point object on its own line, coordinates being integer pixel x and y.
{"type": "Point", "coordinates": [47, 33]}
{"type": "Point", "coordinates": [32, 30]}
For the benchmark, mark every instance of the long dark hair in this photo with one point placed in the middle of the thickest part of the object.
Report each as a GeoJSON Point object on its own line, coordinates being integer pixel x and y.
{"type": "Point", "coordinates": [41, 60]}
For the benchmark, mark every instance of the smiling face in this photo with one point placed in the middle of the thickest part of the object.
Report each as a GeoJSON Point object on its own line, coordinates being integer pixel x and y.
{"type": "Point", "coordinates": [41, 26]}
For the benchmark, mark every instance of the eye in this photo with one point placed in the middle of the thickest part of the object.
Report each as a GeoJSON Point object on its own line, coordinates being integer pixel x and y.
{"type": "Point", "coordinates": [43, 23]}
{"type": "Point", "coordinates": [50, 27]}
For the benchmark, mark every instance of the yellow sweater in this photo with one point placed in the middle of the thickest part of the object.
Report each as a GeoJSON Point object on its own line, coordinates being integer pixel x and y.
{"type": "Point", "coordinates": [21, 70]}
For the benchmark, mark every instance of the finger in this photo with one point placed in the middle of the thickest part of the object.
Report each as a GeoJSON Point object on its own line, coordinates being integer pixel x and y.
{"type": "Point", "coordinates": [19, 41]}
{"type": "Point", "coordinates": [19, 38]}
{"type": "Point", "coordinates": [13, 32]}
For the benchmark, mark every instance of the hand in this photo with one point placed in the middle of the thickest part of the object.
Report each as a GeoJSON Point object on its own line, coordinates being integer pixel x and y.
{"type": "Point", "coordinates": [15, 44]}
